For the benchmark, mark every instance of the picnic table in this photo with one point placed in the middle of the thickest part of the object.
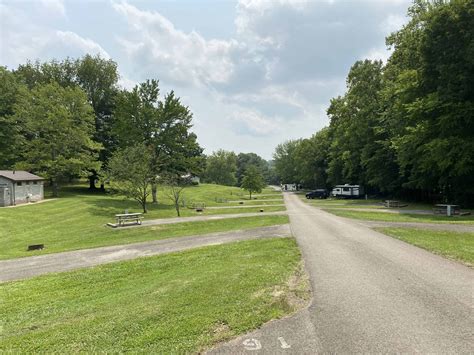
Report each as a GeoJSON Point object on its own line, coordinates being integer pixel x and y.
{"type": "Point", "coordinates": [448, 210]}
{"type": "Point", "coordinates": [123, 218]}
{"type": "Point", "coordinates": [393, 203]}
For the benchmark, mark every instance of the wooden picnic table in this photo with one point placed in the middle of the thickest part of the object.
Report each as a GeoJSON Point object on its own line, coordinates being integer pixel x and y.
{"type": "Point", "coordinates": [394, 204]}
{"type": "Point", "coordinates": [446, 209]}
{"type": "Point", "coordinates": [129, 217]}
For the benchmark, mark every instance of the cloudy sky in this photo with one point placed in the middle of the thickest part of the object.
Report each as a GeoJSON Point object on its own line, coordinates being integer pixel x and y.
{"type": "Point", "coordinates": [254, 72]}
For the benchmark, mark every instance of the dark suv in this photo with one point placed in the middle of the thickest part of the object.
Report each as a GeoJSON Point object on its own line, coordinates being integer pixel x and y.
{"type": "Point", "coordinates": [319, 193]}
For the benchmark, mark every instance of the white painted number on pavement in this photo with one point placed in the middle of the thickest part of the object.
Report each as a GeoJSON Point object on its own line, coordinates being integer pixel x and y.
{"type": "Point", "coordinates": [284, 344]}
{"type": "Point", "coordinates": [252, 344]}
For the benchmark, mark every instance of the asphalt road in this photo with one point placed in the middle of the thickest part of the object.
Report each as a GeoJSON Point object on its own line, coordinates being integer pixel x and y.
{"type": "Point", "coordinates": [371, 294]}
{"type": "Point", "coordinates": [22, 268]}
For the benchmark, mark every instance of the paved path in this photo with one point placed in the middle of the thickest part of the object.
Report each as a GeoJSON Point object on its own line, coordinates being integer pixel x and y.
{"type": "Point", "coordinates": [383, 210]}
{"type": "Point", "coordinates": [371, 294]}
{"type": "Point", "coordinates": [244, 206]}
{"type": "Point", "coordinates": [22, 268]}
{"type": "Point", "coordinates": [261, 200]}
{"type": "Point", "coordinates": [432, 226]}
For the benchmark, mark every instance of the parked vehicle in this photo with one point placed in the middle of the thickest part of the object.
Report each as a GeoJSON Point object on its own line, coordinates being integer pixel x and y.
{"type": "Point", "coordinates": [289, 187]}
{"type": "Point", "coordinates": [318, 193]}
{"type": "Point", "coordinates": [347, 191]}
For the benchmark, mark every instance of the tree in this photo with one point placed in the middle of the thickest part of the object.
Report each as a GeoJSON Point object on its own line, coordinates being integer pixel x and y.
{"type": "Point", "coordinates": [284, 158]}
{"type": "Point", "coordinates": [253, 180]}
{"type": "Point", "coordinates": [174, 187]}
{"type": "Point", "coordinates": [11, 127]}
{"type": "Point", "coordinates": [244, 160]}
{"type": "Point", "coordinates": [59, 125]}
{"type": "Point", "coordinates": [130, 167]}
{"type": "Point", "coordinates": [98, 78]}
{"type": "Point", "coordinates": [221, 167]}
{"type": "Point", "coordinates": [163, 126]}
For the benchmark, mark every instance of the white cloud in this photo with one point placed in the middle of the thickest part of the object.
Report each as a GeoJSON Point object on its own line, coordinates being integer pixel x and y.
{"type": "Point", "coordinates": [54, 6]}
{"type": "Point", "coordinates": [22, 39]}
{"type": "Point", "coordinates": [182, 57]}
{"type": "Point", "coordinates": [250, 122]}
{"type": "Point", "coordinates": [72, 40]}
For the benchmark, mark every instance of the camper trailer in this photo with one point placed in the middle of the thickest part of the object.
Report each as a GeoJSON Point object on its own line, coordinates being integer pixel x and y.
{"type": "Point", "coordinates": [347, 191]}
{"type": "Point", "coordinates": [289, 187]}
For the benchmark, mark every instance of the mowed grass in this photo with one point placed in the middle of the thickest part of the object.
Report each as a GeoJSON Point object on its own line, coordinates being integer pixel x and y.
{"type": "Point", "coordinates": [405, 217]}
{"type": "Point", "coordinates": [77, 220]}
{"type": "Point", "coordinates": [59, 237]}
{"type": "Point", "coordinates": [176, 303]}
{"type": "Point", "coordinates": [362, 203]}
{"type": "Point", "coordinates": [454, 245]}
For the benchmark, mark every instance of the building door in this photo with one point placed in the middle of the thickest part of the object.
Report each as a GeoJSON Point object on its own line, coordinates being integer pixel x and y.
{"type": "Point", "coordinates": [5, 198]}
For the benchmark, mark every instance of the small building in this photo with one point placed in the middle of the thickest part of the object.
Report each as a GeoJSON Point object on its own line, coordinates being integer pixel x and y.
{"type": "Point", "coordinates": [17, 187]}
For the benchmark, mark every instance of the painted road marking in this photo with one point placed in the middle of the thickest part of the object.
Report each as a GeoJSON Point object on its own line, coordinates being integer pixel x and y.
{"type": "Point", "coordinates": [252, 344]}
{"type": "Point", "coordinates": [284, 344]}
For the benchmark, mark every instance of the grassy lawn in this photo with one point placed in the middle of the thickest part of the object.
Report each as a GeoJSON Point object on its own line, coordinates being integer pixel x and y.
{"type": "Point", "coordinates": [362, 203]}
{"type": "Point", "coordinates": [176, 303]}
{"type": "Point", "coordinates": [453, 245]}
{"type": "Point", "coordinates": [406, 217]}
{"type": "Point", "coordinates": [76, 220]}
{"type": "Point", "coordinates": [81, 234]}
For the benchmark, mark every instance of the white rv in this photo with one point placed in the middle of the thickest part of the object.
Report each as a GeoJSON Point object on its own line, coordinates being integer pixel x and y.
{"type": "Point", "coordinates": [347, 191]}
{"type": "Point", "coordinates": [289, 187]}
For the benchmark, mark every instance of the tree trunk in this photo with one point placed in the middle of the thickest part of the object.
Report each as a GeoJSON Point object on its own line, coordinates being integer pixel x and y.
{"type": "Point", "coordinates": [55, 188]}
{"type": "Point", "coordinates": [154, 189]}
{"type": "Point", "coordinates": [92, 182]}
{"type": "Point", "coordinates": [102, 187]}
{"type": "Point", "coordinates": [176, 205]}
{"type": "Point", "coordinates": [250, 192]}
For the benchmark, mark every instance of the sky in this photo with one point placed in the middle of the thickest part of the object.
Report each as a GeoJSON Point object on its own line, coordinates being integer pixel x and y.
{"type": "Point", "coordinates": [254, 73]}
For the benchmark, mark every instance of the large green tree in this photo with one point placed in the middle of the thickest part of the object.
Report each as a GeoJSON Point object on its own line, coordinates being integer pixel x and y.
{"type": "Point", "coordinates": [162, 125]}
{"type": "Point", "coordinates": [131, 169]}
{"type": "Point", "coordinates": [253, 180]}
{"type": "Point", "coordinates": [11, 127]}
{"type": "Point", "coordinates": [221, 168]}
{"type": "Point", "coordinates": [98, 78]}
{"type": "Point", "coordinates": [244, 160]}
{"type": "Point", "coordinates": [59, 125]}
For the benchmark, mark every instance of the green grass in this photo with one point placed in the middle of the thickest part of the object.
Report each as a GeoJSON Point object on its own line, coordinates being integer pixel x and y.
{"type": "Point", "coordinates": [176, 303]}
{"type": "Point", "coordinates": [59, 237]}
{"type": "Point", "coordinates": [405, 217]}
{"type": "Point", "coordinates": [76, 220]}
{"type": "Point", "coordinates": [362, 203]}
{"type": "Point", "coordinates": [454, 245]}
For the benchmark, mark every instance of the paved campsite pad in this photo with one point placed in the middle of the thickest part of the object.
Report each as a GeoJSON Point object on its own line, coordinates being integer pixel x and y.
{"type": "Point", "coordinates": [37, 265]}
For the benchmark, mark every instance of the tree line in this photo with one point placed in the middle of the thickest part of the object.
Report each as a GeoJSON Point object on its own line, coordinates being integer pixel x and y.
{"type": "Point", "coordinates": [68, 119]}
{"type": "Point", "coordinates": [404, 128]}
{"type": "Point", "coordinates": [228, 168]}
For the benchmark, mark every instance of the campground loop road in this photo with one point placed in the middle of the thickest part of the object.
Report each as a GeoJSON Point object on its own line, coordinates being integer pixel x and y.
{"type": "Point", "coordinates": [371, 294]}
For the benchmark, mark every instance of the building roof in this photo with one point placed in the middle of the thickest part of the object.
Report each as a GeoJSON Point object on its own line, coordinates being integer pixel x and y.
{"type": "Point", "coordinates": [19, 175]}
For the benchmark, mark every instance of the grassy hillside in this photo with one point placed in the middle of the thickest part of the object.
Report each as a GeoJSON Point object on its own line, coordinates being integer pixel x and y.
{"type": "Point", "coordinates": [76, 220]}
{"type": "Point", "coordinates": [176, 303]}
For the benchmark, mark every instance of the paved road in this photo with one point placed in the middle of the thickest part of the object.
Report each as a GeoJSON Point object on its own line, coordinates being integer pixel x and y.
{"type": "Point", "coordinates": [243, 206]}
{"type": "Point", "coordinates": [371, 294]}
{"type": "Point", "coordinates": [22, 268]}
